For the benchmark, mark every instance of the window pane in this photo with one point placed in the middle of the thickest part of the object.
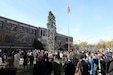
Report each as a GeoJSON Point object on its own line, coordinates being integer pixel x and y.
{"type": "Point", "coordinates": [1, 24]}
{"type": "Point", "coordinates": [26, 29]}
{"type": "Point", "coordinates": [41, 32]}
{"type": "Point", "coordinates": [9, 25]}
{"type": "Point", "coordinates": [21, 29]}
{"type": "Point", "coordinates": [31, 31]}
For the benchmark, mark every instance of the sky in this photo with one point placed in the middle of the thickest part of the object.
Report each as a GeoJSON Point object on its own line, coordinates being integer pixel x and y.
{"type": "Point", "coordinates": [88, 20]}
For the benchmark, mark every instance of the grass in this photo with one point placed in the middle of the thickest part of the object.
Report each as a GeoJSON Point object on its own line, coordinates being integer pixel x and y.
{"type": "Point", "coordinates": [21, 71]}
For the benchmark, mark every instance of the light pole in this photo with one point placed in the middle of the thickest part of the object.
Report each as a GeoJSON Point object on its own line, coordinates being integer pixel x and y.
{"type": "Point", "coordinates": [79, 44]}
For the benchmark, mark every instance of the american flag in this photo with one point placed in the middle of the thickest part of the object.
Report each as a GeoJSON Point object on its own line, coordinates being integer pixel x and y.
{"type": "Point", "coordinates": [68, 10]}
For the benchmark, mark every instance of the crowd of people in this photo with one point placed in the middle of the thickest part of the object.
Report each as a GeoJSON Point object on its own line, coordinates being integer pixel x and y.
{"type": "Point", "coordinates": [57, 62]}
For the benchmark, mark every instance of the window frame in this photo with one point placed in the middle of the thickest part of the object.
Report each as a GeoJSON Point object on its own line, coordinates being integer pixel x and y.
{"type": "Point", "coordinates": [1, 24]}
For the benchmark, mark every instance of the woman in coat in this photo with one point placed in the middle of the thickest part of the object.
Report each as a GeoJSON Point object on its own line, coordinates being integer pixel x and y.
{"type": "Point", "coordinates": [16, 60]}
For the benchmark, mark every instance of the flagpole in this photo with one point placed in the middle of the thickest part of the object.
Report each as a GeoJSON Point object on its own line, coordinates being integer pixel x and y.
{"type": "Point", "coordinates": [68, 34]}
{"type": "Point", "coordinates": [68, 28]}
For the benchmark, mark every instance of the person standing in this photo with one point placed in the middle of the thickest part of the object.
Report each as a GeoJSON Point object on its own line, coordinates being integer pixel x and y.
{"type": "Point", "coordinates": [39, 67]}
{"type": "Point", "coordinates": [95, 59]}
{"type": "Point", "coordinates": [69, 67]}
{"type": "Point", "coordinates": [4, 58]}
{"type": "Point", "coordinates": [25, 63]}
{"type": "Point", "coordinates": [110, 68]}
{"type": "Point", "coordinates": [31, 58]}
{"type": "Point", "coordinates": [92, 65]}
{"type": "Point", "coordinates": [48, 66]}
{"type": "Point", "coordinates": [16, 60]}
{"type": "Point", "coordinates": [57, 66]}
{"type": "Point", "coordinates": [8, 68]}
{"type": "Point", "coordinates": [82, 64]}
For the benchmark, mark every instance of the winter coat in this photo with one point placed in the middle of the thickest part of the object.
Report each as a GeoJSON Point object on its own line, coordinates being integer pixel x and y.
{"type": "Point", "coordinates": [39, 68]}
{"type": "Point", "coordinates": [57, 67]}
{"type": "Point", "coordinates": [110, 70]}
{"type": "Point", "coordinates": [16, 60]}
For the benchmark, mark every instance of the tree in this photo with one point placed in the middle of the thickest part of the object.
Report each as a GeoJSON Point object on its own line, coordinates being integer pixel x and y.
{"type": "Point", "coordinates": [98, 46]}
{"type": "Point", "coordinates": [83, 45]}
{"type": "Point", "coordinates": [108, 44]}
{"type": "Point", "coordinates": [37, 45]}
{"type": "Point", "coordinates": [101, 45]}
{"type": "Point", "coordinates": [76, 46]}
{"type": "Point", "coordinates": [16, 37]}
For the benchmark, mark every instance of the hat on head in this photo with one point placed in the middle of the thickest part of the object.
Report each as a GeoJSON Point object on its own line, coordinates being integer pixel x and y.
{"type": "Point", "coordinates": [109, 55]}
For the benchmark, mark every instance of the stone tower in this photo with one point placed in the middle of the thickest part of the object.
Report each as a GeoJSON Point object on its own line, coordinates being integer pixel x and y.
{"type": "Point", "coordinates": [51, 31]}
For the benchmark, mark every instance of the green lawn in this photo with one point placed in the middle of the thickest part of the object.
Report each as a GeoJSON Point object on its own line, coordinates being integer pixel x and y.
{"type": "Point", "coordinates": [24, 73]}
{"type": "Point", "coordinates": [21, 71]}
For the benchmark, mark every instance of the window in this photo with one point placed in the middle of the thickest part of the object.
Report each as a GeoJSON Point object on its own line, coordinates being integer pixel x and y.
{"type": "Point", "coordinates": [26, 29]}
{"type": "Point", "coordinates": [21, 29]}
{"type": "Point", "coordinates": [14, 27]}
{"type": "Point", "coordinates": [30, 31]}
{"type": "Point", "coordinates": [1, 24]}
{"type": "Point", "coordinates": [7, 39]}
{"type": "Point", "coordinates": [9, 26]}
{"type": "Point", "coordinates": [44, 33]}
{"type": "Point", "coordinates": [34, 32]}
{"type": "Point", "coordinates": [41, 32]}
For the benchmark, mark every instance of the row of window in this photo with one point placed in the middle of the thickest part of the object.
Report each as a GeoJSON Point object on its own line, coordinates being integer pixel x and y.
{"type": "Point", "coordinates": [25, 29]}
{"type": "Point", "coordinates": [24, 40]}
{"type": "Point", "coordinates": [10, 26]}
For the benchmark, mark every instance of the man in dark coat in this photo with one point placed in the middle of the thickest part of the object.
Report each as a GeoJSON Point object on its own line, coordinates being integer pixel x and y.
{"type": "Point", "coordinates": [57, 67]}
{"type": "Point", "coordinates": [110, 68]}
{"type": "Point", "coordinates": [48, 66]}
{"type": "Point", "coordinates": [69, 68]}
{"type": "Point", "coordinates": [83, 64]}
{"type": "Point", "coordinates": [39, 67]}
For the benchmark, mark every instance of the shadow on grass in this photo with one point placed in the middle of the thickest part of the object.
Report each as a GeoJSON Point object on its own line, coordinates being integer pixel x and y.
{"type": "Point", "coordinates": [22, 72]}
